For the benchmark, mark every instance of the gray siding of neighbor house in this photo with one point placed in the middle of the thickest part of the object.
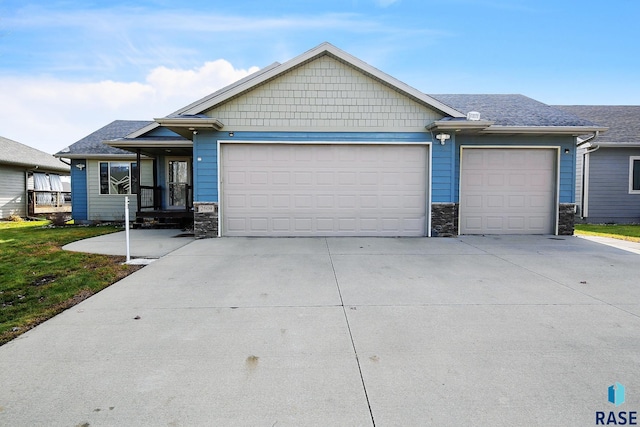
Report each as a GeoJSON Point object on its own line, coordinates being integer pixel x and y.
{"type": "Point", "coordinates": [609, 198]}
{"type": "Point", "coordinates": [110, 207]}
{"type": "Point", "coordinates": [12, 192]}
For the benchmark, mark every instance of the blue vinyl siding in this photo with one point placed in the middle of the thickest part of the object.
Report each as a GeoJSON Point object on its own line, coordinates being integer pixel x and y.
{"type": "Point", "coordinates": [206, 149]}
{"type": "Point", "coordinates": [445, 174]}
{"type": "Point", "coordinates": [442, 182]}
{"type": "Point", "coordinates": [567, 161]}
{"type": "Point", "coordinates": [79, 201]}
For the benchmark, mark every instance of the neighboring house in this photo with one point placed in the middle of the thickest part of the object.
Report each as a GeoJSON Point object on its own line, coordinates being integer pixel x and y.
{"type": "Point", "coordinates": [33, 182]}
{"type": "Point", "coordinates": [608, 166]}
{"type": "Point", "coordinates": [327, 145]}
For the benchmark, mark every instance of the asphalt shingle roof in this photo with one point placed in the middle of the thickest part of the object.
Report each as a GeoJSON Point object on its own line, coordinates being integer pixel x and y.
{"type": "Point", "coordinates": [623, 121]}
{"type": "Point", "coordinates": [92, 144]}
{"type": "Point", "coordinates": [512, 110]}
{"type": "Point", "coordinates": [17, 154]}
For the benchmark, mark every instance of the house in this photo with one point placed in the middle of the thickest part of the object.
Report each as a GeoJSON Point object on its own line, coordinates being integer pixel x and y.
{"type": "Point", "coordinates": [33, 182]}
{"type": "Point", "coordinates": [327, 145]}
{"type": "Point", "coordinates": [608, 165]}
{"type": "Point", "coordinates": [103, 175]}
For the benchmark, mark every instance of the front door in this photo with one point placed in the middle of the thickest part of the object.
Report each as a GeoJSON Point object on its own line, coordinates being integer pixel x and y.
{"type": "Point", "coordinates": [178, 183]}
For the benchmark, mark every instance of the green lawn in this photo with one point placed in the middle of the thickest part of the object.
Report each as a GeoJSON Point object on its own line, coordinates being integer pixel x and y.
{"type": "Point", "coordinates": [39, 280]}
{"type": "Point", "coordinates": [624, 232]}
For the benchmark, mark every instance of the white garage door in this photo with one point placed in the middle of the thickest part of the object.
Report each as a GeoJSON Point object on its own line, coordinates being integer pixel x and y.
{"type": "Point", "coordinates": [508, 191]}
{"type": "Point", "coordinates": [323, 190]}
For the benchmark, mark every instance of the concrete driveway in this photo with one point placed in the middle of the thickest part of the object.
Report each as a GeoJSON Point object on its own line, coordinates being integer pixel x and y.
{"type": "Point", "coordinates": [482, 331]}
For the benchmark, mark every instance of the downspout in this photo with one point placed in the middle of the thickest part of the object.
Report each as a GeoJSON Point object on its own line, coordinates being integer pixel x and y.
{"type": "Point", "coordinates": [584, 208]}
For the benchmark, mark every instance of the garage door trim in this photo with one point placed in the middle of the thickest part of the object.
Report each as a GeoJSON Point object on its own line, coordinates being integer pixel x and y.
{"type": "Point", "coordinates": [429, 164]}
{"type": "Point", "coordinates": [556, 148]}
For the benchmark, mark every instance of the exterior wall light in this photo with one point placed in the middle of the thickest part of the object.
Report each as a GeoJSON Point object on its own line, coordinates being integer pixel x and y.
{"type": "Point", "coordinates": [442, 137]}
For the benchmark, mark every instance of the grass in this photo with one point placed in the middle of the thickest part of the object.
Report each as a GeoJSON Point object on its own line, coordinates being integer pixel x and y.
{"type": "Point", "coordinates": [616, 231]}
{"type": "Point", "coordinates": [39, 280]}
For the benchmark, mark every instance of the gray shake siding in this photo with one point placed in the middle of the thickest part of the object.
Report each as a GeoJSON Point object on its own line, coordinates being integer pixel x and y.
{"type": "Point", "coordinates": [609, 198]}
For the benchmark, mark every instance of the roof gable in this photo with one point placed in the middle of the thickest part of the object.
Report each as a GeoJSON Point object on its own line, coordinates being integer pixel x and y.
{"type": "Point", "coordinates": [324, 49]}
{"type": "Point", "coordinates": [17, 154]}
{"type": "Point", "coordinates": [324, 94]}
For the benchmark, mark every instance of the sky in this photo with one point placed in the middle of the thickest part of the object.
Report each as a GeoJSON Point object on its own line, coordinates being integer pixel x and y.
{"type": "Point", "coordinates": [69, 67]}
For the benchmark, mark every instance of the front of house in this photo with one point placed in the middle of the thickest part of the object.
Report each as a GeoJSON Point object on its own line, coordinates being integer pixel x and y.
{"type": "Point", "coordinates": [326, 145]}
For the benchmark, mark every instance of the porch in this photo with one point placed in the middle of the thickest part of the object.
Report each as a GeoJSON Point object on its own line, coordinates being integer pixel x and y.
{"type": "Point", "coordinates": [151, 213]}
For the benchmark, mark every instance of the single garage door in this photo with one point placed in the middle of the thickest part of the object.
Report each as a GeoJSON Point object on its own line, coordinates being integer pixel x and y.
{"type": "Point", "coordinates": [323, 190]}
{"type": "Point", "coordinates": [508, 191]}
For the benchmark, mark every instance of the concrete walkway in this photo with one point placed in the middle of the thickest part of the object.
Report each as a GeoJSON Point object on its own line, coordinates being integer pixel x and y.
{"type": "Point", "coordinates": [483, 331]}
{"type": "Point", "coordinates": [143, 243]}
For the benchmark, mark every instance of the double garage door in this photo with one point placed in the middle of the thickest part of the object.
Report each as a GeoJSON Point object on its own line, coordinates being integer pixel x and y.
{"type": "Point", "coordinates": [323, 190]}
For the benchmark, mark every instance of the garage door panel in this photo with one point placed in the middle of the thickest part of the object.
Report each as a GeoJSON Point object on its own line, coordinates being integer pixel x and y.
{"type": "Point", "coordinates": [323, 189]}
{"type": "Point", "coordinates": [507, 190]}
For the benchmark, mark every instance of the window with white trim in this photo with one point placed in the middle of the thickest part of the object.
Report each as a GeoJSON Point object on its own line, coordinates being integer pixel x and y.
{"type": "Point", "coordinates": [634, 175]}
{"type": "Point", "coordinates": [118, 177]}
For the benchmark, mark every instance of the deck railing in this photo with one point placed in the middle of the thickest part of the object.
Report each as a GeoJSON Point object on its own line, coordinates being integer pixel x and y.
{"type": "Point", "coordinates": [151, 197]}
{"type": "Point", "coordinates": [45, 202]}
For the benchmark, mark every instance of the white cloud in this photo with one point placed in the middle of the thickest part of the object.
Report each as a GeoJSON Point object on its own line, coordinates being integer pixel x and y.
{"type": "Point", "coordinates": [171, 83]}
{"type": "Point", "coordinates": [50, 114]}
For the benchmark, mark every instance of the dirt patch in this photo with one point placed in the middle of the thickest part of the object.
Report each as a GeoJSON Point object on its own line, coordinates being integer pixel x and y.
{"type": "Point", "coordinates": [44, 280]}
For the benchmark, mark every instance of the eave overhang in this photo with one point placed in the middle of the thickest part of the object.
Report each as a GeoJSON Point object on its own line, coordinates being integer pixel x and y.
{"type": "Point", "coordinates": [63, 168]}
{"type": "Point", "coordinates": [98, 156]}
{"type": "Point", "coordinates": [543, 130]}
{"type": "Point", "coordinates": [616, 144]}
{"type": "Point", "coordinates": [462, 126]}
{"type": "Point", "coordinates": [185, 126]}
{"type": "Point", "coordinates": [486, 127]}
{"type": "Point", "coordinates": [154, 147]}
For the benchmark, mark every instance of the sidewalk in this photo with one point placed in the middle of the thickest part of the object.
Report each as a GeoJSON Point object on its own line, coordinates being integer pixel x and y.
{"type": "Point", "coordinates": [144, 243]}
{"type": "Point", "coordinates": [616, 243]}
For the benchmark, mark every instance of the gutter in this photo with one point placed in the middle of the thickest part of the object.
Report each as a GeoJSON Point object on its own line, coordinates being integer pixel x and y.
{"type": "Point", "coordinates": [584, 141]}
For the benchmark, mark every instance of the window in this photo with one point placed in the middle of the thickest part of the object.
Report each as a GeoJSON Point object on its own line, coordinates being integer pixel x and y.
{"type": "Point", "coordinates": [118, 177]}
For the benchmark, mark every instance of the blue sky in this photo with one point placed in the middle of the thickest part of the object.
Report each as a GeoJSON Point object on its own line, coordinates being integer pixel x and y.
{"type": "Point", "coordinates": [69, 67]}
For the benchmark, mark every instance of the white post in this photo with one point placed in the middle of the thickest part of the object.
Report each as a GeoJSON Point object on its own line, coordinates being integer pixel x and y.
{"type": "Point", "coordinates": [126, 225]}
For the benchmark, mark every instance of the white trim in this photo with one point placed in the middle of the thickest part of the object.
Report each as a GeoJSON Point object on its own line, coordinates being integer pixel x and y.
{"type": "Point", "coordinates": [428, 175]}
{"type": "Point", "coordinates": [585, 184]}
{"type": "Point", "coordinates": [558, 154]}
{"type": "Point", "coordinates": [542, 147]}
{"type": "Point", "coordinates": [305, 142]}
{"type": "Point", "coordinates": [219, 164]}
{"type": "Point", "coordinates": [429, 189]}
{"type": "Point", "coordinates": [632, 159]}
{"type": "Point", "coordinates": [556, 130]}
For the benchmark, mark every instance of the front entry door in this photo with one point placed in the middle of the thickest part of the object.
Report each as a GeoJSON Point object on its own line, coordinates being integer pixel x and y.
{"type": "Point", "coordinates": [178, 183]}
